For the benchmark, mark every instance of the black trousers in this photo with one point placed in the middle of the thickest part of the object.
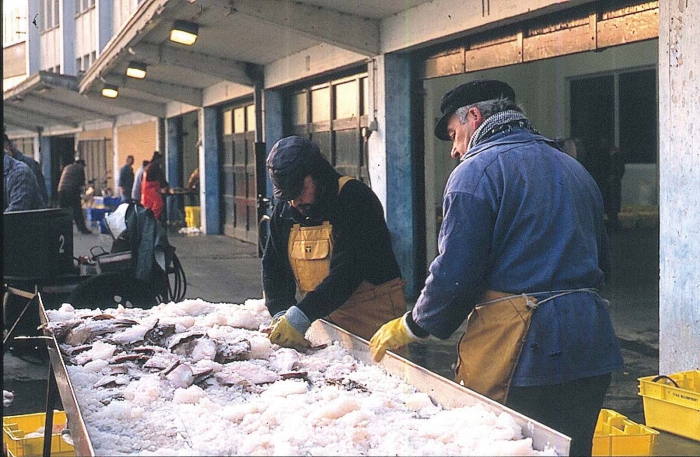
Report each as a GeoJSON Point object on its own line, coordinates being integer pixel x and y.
{"type": "Point", "coordinates": [571, 408]}
{"type": "Point", "coordinates": [72, 200]}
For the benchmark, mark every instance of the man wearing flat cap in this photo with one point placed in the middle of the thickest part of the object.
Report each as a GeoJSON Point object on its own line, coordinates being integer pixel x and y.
{"type": "Point", "coordinates": [522, 256]}
{"type": "Point", "coordinates": [328, 239]}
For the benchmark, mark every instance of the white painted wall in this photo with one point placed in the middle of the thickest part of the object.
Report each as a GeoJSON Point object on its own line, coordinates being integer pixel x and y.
{"type": "Point", "coordinates": [377, 141]}
{"type": "Point", "coordinates": [542, 87]}
{"type": "Point", "coordinates": [310, 62]}
{"type": "Point", "coordinates": [85, 32]}
{"type": "Point", "coordinates": [679, 234]}
{"type": "Point", "coordinates": [50, 43]}
{"type": "Point", "coordinates": [122, 10]}
{"type": "Point", "coordinates": [441, 19]}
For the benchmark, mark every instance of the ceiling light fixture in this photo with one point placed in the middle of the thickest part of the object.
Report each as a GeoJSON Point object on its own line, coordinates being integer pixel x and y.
{"type": "Point", "coordinates": [136, 70]}
{"type": "Point", "coordinates": [110, 91]}
{"type": "Point", "coordinates": [184, 32]}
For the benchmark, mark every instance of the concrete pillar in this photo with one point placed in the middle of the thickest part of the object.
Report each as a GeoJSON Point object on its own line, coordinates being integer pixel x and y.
{"type": "Point", "coordinates": [33, 41]}
{"type": "Point", "coordinates": [45, 161]}
{"type": "Point", "coordinates": [273, 121]}
{"type": "Point", "coordinates": [67, 22]}
{"type": "Point", "coordinates": [104, 23]}
{"type": "Point", "coordinates": [173, 164]}
{"type": "Point", "coordinates": [209, 171]}
{"type": "Point", "coordinates": [679, 178]}
{"type": "Point", "coordinates": [173, 157]}
{"type": "Point", "coordinates": [394, 176]}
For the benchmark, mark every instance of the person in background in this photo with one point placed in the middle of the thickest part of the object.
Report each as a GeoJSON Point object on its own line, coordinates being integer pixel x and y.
{"type": "Point", "coordinates": [20, 189]}
{"type": "Point", "coordinates": [329, 239]}
{"type": "Point", "coordinates": [154, 186]}
{"type": "Point", "coordinates": [193, 188]}
{"type": "Point", "coordinates": [69, 188]}
{"type": "Point", "coordinates": [125, 182]}
{"type": "Point", "coordinates": [522, 234]}
{"type": "Point", "coordinates": [33, 165]}
{"type": "Point", "coordinates": [612, 169]}
{"type": "Point", "coordinates": [138, 177]}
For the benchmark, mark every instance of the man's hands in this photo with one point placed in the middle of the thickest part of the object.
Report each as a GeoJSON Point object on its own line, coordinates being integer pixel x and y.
{"type": "Point", "coordinates": [392, 335]}
{"type": "Point", "coordinates": [288, 330]}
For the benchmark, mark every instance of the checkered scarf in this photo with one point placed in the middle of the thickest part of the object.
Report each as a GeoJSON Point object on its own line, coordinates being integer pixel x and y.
{"type": "Point", "coordinates": [495, 124]}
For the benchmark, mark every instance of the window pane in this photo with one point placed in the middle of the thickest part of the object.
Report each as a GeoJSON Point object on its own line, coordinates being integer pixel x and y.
{"type": "Point", "coordinates": [299, 111]}
{"type": "Point", "coordinates": [321, 105]}
{"type": "Point", "coordinates": [250, 113]}
{"type": "Point", "coordinates": [228, 123]}
{"type": "Point", "coordinates": [365, 96]}
{"type": "Point", "coordinates": [239, 120]}
{"type": "Point", "coordinates": [346, 98]}
{"type": "Point", "coordinates": [638, 116]}
{"type": "Point", "coordinates": [593, 116]}
{"type": "Point", "coordinates": [56, 16]}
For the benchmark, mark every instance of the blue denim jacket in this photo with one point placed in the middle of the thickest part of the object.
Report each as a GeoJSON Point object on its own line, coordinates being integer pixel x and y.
{"type": "Point", "coordinates": [520, 216]}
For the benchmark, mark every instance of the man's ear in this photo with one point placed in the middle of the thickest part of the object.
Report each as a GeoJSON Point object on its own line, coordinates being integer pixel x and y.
{"type": "Point", "coordinates": [478, 117]}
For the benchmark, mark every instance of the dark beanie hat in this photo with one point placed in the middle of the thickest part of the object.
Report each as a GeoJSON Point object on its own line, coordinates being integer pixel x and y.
{"type": "Point", "coordinates": [290, 161]}
{"type": "Point", "coordinates": [467, 94]}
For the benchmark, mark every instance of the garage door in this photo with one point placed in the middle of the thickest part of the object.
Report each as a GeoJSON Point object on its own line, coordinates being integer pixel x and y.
{"type": "Point", "coordinates": [333, 113]}
{"type": "Point", "coordinates": [238, 188]}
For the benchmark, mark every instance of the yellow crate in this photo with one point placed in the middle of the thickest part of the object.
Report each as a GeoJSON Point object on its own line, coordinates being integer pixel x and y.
{"type": "Point", "coordinates": [15, 429]}
{"type": "Point", "coordinates": [192, 216]}
{"type": "Point", "coordinates": [672, 403]}
{"type": "Point", "coordinates": [617, 435]}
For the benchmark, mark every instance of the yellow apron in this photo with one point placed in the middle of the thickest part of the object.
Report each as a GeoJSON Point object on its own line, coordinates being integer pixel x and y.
{"type": "Point", "coordinates": [369, 307]}
{"type": "Point", "coordinates": [490, 348]}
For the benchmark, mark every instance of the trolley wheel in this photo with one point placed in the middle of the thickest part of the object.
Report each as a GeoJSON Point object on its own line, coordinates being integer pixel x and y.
{"type": "Point", "coordinates": [108, 290]}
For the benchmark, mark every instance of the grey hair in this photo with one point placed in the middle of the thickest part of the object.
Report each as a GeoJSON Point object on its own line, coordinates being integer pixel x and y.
{"type": "Point", "coordinates": [488, 108]}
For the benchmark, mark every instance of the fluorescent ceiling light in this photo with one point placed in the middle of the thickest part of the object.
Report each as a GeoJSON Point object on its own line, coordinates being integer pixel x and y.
{"type": "Point", "coordinates": [136, 70]}
{"type": "Point", "coordinates": [110, 91]}
{"type": "Point", "coordinates": [184, 32]}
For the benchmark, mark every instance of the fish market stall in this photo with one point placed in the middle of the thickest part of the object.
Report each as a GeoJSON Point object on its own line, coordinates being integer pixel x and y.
{"type": "Point", "coordinates": [198, 378]}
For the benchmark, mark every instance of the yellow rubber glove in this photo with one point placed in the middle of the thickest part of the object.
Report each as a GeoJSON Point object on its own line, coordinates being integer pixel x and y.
{"type": "Point", "coordinates": [287, 336]}
{"type": "Point", "coordinates": [392, 335]}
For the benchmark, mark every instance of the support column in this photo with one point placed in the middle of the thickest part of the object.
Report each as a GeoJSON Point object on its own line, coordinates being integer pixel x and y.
{"type": "Point", "coordinates": [173, 163]}
{"type": "Point", "coordinates": [209, 172]}
{"type": "Point", "coordinates": [67, 21]}
{"type": "Point", "coordinates": [273, 126]}
{"type": "Point", "coordinates": [392, 170]}
{"type": "Point", "coordinates": [45, 161]}
{"type": "Point", "coordinates": [679, 189]}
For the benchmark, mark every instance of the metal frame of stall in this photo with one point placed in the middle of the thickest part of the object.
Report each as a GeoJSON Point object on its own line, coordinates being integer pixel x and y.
{"type": "Point", "coordinates": [441, 390]}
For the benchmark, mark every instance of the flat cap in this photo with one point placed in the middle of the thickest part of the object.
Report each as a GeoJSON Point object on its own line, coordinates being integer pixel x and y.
{"type": "Point", "coordinates": [290, 161]}
{"type": "Point", "coordinates": [466, 94]}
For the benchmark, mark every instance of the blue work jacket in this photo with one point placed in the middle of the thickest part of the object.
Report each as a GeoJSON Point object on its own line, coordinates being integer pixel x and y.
{"type": "Point", "coordinates": [520, 216]}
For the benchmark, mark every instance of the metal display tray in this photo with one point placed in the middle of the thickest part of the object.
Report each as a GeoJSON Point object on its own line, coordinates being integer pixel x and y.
{"type": "Point", "coordinates": [443, 391]}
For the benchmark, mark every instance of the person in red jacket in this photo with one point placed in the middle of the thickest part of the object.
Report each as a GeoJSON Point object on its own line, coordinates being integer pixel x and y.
{"type": "Point", "coordinates": [154, 186]}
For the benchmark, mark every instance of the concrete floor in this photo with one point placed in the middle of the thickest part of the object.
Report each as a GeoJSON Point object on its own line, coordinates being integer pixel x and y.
{"type": "Point", "coordinates": [221, 269]}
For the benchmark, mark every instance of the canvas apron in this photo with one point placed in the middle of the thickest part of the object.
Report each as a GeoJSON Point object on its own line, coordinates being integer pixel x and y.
{"type": "Point", "coordinates": [369, 307]}
{"type": "Point", "coordinates": [489, 350]}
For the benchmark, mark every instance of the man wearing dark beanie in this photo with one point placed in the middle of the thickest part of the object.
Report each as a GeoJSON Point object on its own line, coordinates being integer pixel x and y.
{"type": "Point", "coordinates": [328, 239]}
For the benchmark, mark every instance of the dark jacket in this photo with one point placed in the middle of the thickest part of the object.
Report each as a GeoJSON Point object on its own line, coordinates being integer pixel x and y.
{"type": "Point", "coordinates": [36, 169]}
{"type": "Point", "coordinates": [521, 216]}
{"type": "Point", "coordinates": [72, 179]}
{"type": "Point", "coordinates": [20, 189]}
{"type": "Point", "coordinates": [362, 249]}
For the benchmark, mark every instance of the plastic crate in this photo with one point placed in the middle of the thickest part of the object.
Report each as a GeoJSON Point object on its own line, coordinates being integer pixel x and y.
{"type": "Point", "coordinates": [111, 203]}
{"type": "Point", "coordinates": [672, 403]}
{"type": "Point", "coordinates": [95, 215]}
{"type": "Point", "coordinates": [617, 435]}
{"type": "Point", "coordinates": [192, 216]}
{"type": "Point", "coordinates": [15, 429]}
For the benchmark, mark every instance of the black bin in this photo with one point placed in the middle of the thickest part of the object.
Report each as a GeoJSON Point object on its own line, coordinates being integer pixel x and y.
{"type": "Point", "coordinates": [38, 243]}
